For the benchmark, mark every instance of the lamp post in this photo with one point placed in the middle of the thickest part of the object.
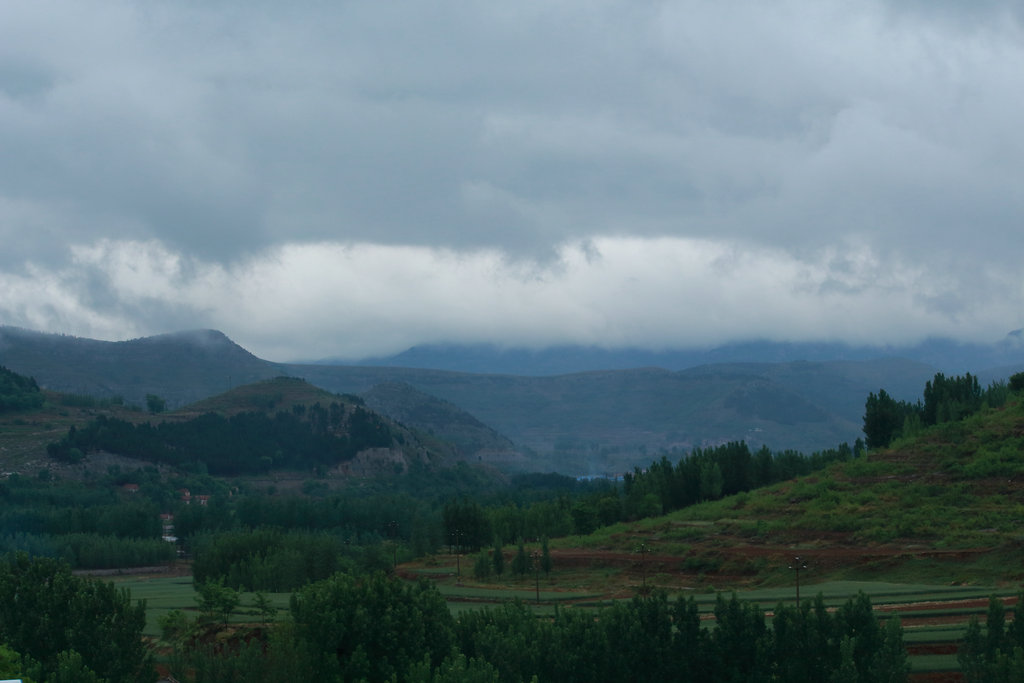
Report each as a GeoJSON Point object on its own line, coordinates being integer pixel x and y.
{"type": "Point", "coordinates": [643, 550]}
{"type": "Point", "coordinates": [798, 565]}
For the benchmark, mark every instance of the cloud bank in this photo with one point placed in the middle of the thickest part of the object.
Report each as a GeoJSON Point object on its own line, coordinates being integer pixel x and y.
{"type": "Point", "coordinates": [352, 301]}
{"type": "Point", "coordinates": [353, 178]}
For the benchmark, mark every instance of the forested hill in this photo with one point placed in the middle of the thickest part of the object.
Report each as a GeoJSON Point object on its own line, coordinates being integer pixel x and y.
{"type": "Point", "coordinates": [592, 422]}
{"type": "Point", "coordinates": [258, 428]}
{"type": "Point", "coordinates": [584, 423]}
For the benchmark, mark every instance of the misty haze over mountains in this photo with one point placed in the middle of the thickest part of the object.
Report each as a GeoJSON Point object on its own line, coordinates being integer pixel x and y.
{"type": "Point", "coordinates": [574, 410]}
{"type": "Point", "coordinates": [944, 355]}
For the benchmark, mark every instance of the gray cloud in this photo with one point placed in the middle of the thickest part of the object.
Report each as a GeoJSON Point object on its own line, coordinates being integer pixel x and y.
{"type": "Point", "coordinates": [842, 141]}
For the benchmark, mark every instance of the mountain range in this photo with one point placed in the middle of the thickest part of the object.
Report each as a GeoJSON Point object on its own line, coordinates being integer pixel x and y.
{"type": "Point", "coordinates": [603, 420]}
{"type": "Point", "coordinates": [945, 355]}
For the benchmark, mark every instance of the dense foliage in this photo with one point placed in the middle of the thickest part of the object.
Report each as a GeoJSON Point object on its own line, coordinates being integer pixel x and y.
{"type": "Point", "coordinates": [379, 629]}
{"type": "Point", "coordinates": [60, 621]}
{"type": "Point", "coordinates": [18, 392]}
{"type": "Point", "coordinates": [946, 399]}
{"type": "Point", "coordinates": [267, 559]}
{"type": "Point", "coordinates": [245, 443]}
{"type": "Point", "coordinates": [713, 473]}
{"type": "Point", "coordinates": [997, 655]}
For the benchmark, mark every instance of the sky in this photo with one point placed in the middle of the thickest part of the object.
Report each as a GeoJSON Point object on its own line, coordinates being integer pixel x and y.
{"type": "Point", "coordinates": [349, 179]}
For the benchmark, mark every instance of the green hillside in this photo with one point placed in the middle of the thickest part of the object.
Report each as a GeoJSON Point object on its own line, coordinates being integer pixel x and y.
{"type": "Point", "coordinates": [272, 425]}
{"type": "Point", "coordinates": [609, 421]}
{"type": "Point", "coordinates": [582, 423]}
{"type": "Point", "coordinates": [182, 367]}
{"type": "Point", "coordinates": [946, 505]}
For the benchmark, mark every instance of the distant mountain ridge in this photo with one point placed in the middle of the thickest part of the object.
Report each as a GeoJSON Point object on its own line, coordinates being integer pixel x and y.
{"type": "Point", "coordinates": [945, 355]}
{"type": "Point", "coordinates": [594, 421]}
{"type": "Point", "coordinates": [182, 367]}
{"type": "Point", "coordinates": [576, 423]}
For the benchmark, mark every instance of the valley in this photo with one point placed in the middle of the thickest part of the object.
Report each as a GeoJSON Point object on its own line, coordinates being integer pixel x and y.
{"type": "Point", "coordinates": [395, 479]}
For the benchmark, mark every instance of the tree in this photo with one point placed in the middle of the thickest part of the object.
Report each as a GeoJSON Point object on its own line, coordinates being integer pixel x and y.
{"type": "Point", "coordinates": [216, 599]}
{"type": "Point", "coordinates": [371, 627]}
{"type": "Point", "coordinates": [948, 399]}
{"type": "Point", "coordinates": [71, 668]}
{"type": "Point", "coordinates": [1017, 382]}
{"type": "Point", "coordinates": [883, 418]}
{"type": "Point", "coordinates": [995, 627]}
{"type": "Point", "coordinates": [264, 607]}
{"type": "Point", "coordinates": [521, 562]}
{"type": "Point", "coordinates": [890, 664]}
{"type": "Point", "coordinates": [498, 558]}
{"type": "Point", "coordinates": [482, 566]}
{"type": "Point", "coordinates": [545, 556]}
{"type": "Point", "coordinates": [11, 665]}
{"type": "Point", "coordinates": [971, 653]}
{"type": "Point", "coordinates": [18, 392]}
{"type": "Point", "coordinates": [710, 480]}
{"type": "Point", "coordinates": [46, 613]}
{"type": "Point", "coordinates": [155, 404]}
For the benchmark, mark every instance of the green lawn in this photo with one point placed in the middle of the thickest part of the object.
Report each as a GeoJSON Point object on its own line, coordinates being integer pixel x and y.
{"type": "Point", "coordinates": [169, 593]}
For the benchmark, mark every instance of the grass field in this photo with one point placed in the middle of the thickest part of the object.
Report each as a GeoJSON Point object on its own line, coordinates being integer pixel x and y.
{"type": "Point", "coordinates": [164, 594]}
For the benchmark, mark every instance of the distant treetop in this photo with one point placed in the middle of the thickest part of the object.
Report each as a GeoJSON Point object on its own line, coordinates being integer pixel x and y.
{"type": "Point", "coordinates": [18, 392]}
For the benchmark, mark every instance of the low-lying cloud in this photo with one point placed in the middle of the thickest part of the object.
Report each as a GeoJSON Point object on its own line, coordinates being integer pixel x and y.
{"type": "Point", "coordinates": [314, 300]}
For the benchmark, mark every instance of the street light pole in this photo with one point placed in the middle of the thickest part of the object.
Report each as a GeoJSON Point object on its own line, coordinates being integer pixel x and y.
{"type": "Point", "coordinates": [798, 565]}
{"type": "Point", "coordinates": [643, 550]}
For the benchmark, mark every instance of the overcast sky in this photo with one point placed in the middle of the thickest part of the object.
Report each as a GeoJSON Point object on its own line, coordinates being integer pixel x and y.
{"type": "Point", "coordinates": [353, 178]}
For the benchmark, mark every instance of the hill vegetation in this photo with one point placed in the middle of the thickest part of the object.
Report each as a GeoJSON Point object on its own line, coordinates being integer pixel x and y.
{"type": "Point", "coordinates": [18, 392]}
{"type": "Point", "coordinates": [940, 503]}
{"type": "Point", "coordinates": [182, 367]}
{"type": "Point", "coordinates": [608, 422]}
{"type": "Point", "coordinates": [944, 504]}
{"type": "Point", "coordinates": [297, 436]}
{"type": "Point", "coordinates": [602, 422]}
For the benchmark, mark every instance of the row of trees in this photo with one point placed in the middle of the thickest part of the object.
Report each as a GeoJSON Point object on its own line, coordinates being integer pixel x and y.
{"type": "Point", "coordinates": [493, 563]}
{"type": "Point", "coordinates": [946, 399]}
{"type": "Point", "coordinates": [995, 655]}
{"type": "Point", "coordinates": [268, 559]}
{"type": "Point", "coordinates": [702, 474]}
{"type": "Point", "coordinates": [375, 628]}
{"type": "Point", "coordinates": [716, 472]}
{"type": "Point", "coordinates": [92, 551]}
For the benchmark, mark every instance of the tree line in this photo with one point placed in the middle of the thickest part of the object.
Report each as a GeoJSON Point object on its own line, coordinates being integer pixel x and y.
{"type": "Point", "coordinates": [353, 628]}
{"type": "Point", "coordinates": [995, 654]}
{"type": "Point", "coordinates": [716, 472]}
{"type": "Point", "coordinates": [945, 399]}
{"type": "Point", "coordinates": [698, 476]}
{"type": "Point", "coordinates": [244, 443]}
